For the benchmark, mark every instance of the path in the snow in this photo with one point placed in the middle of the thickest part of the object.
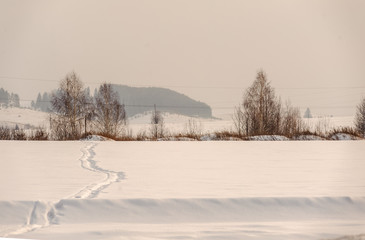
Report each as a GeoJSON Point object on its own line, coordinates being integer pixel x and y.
{"type": "Point", "coordinates": [88, 163]}
{"type": "Point", "coordinates": [43, 214]}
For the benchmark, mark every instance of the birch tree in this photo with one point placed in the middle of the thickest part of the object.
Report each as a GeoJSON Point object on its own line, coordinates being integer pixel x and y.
{"type": "Point", "coordinates": [68, 104]}
{"type": "Point", "coordinates": [110, 113]}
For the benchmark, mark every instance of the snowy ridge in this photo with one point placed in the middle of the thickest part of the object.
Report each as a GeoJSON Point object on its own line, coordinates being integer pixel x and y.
{"type": "Point", "coordinates": [75, 211]}
{"type": "Point", "coordinates": [24, 118]}
{"type": "Point", "coordinates": [355, 237]}
{"type": "Point", "coordinates": [211, 210]}
{"type": "Point", "coordinates": [29, 216]}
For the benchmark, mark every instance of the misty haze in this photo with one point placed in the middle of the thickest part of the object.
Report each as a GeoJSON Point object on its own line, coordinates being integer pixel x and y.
{"type": "Point", "coordinates": [163, 119]}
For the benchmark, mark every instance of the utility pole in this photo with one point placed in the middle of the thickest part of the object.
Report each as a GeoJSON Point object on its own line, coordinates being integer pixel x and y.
{"type": "Point", "coordinates": [50, 121]}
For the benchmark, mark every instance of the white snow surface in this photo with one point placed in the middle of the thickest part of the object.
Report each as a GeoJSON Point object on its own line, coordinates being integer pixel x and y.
{"type": "Point", "coordinates": [24, 118]}
{"type": "Point", "coordinates": [182, 190]}
{"type": "Point", "coordinates": [308, 138]}
{"type": "Point", "coordinates": [268, 138]}
{"type": "Point", "coordinates": [176, 124]}
{"type": "Point", "coordinates": [343, 137]}
{"type": "Point", "coordinates": [96, 138]}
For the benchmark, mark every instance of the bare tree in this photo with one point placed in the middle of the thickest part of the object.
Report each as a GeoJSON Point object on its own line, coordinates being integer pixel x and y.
{"type": "Point", "coordinates": [157, 124]}
{"type": "Point", "coordinates": [360, 118]}
{"type": "Point", "coordinates": [323, 125]}
{"type": "Point", "coordinates": [68, 103]}
{"type": "Point", "coordinates": [110, 114]}
{"type": "Point", "coordinates": [291, 121]}
{"type": "Point", "coordinates": [260, 111]}
{"type": "Point", "coordinates": [194, 128]}
{"type": "Point", "coordinates": [239, 121]}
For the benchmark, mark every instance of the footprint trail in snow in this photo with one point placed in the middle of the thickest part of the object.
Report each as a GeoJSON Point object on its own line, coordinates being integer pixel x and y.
{"type": "Point", "coordinates": [43, 214]}
{"type": "Point", "coordinates": [88, 163]}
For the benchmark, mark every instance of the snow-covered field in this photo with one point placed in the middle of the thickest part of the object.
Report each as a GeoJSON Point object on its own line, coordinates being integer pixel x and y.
{"type": "Point", "coordinates": [182, 190]}
{"type": "Point", "coordinates": [174, 124]}
{"type": "Point", "coordinates": [24, 118]}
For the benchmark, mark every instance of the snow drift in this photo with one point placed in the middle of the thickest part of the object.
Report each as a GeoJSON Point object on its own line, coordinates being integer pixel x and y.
{"type": "Point", "coordinates": [209, 210]}
{"type": "Point", "coordinates": [76, 211]}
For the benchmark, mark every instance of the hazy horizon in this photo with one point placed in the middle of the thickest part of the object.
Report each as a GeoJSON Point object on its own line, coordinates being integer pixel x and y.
{"type": "Point", "coordinates": [312, 51]}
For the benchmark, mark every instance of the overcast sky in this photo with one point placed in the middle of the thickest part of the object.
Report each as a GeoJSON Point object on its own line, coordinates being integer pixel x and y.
{"type": "Point", "coordinates": [313, 51]}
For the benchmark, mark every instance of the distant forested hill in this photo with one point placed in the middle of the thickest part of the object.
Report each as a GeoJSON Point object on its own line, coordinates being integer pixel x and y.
{"type": "Point", "coordinates": [9, 99]}
{"type": "Point", "coordinates": [142, 99]}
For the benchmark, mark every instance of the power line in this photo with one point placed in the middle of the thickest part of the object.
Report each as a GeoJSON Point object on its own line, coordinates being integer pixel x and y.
{"type": "Point", "coordinates": [192, 87]}
{"type": "Point", "coordinates": [29, 79]}
{"type": "Point", "coordinates": [135, 105]}
{"type": "Point", "coordinates": [320, 88]}
{"type": "Point", "coordinates": [189, 107]}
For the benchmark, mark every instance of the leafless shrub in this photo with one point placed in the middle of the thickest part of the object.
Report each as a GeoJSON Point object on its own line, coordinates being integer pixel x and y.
{"type": "Point", "coordinates": [5, 133]}
{"type": "Point", "coordinates": [127, 135]}
{"type": "Point", "coordinates": [126, 138]}
{"type": "Point", "coordinates": [18, 135]}
{"type": "Point", "coordinates": [323, 126]}
{"type": "Point", "coordinates": [38, 135]}
{"type": "Point", "coordinates": [142, 136]}
{"type": "Point", "coordinates": [193, 128]}
{"type": "Point", "coordinates": [227, 135]}
{"type": "Point", "coordinates": [291, 121]}
{"type": "Point", "coordinates": [344, 130]}
{"type": "Point", "coordinates": [360, 118]}
{"type": "Point", "coordinates": [157, 128]}
{"type": "Point", "coordinates": [183, 137]}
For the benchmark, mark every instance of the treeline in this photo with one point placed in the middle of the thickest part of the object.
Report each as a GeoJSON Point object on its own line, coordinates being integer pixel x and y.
{"type": "Point", "coordinates": [9, 99]}
{"type": "Point", "coordinates": [43, 102]}
{"type": "Point", "coordinates": [75, 114]}
{"type": "Point", "coordinates": [263, 113]}
{"type": "Point", "coordinates": [20, 134]}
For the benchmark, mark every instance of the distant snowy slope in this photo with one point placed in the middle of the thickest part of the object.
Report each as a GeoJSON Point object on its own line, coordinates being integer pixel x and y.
{"type": "Point", "coordinates": [24, 118]}
{"type": "Point", "coordinates": [326, 123]}
{"type": "Point", "coordinates": [176, 123]}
